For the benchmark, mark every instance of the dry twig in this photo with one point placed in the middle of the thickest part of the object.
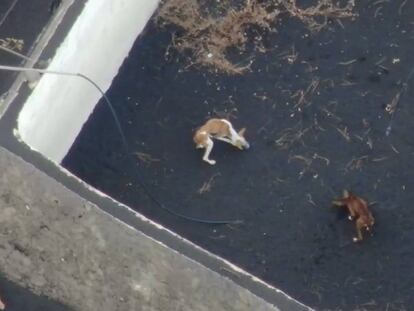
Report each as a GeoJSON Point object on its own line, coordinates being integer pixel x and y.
{"type": "Point", "coordinates": [290, 136]}
{"type": "Point", "coordinates": [209, 37]}
{"type": "Point", "coordinates": [206, 187]}
{"type": "Point", "coordinates": [308, 163]}
{"type": "Point", "coordinates": [344, 132]}
{"type": "Point", "coordinates": [146, 158]}
{"type": "Point", "coordinates": [356, 163]}
{"type": "Point", "coordinates": [302, 94]}
{"type": "Point", "coordinates": [316, 17]}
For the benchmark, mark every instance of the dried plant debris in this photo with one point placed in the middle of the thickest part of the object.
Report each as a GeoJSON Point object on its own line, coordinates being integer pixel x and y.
{"type": "Point", "coordinates": [316, 17]}
{"type": "Point", "coordinates": [146, 158]}
{"type": "Point", "coordinates": [308, 163]}
{"type": "Point", "coordinates": [207, 185]}
{"type": "Point", "coordinates": [211, 30]}
{"type": "Point", "coordinates": [301, 95]}
{"type": "Point", "coordinates": [356, 163]}
{"type": "Point", "coordinates": [12, 44]}
{"type": "Point", "coordinates": [291, 136]}
{"type": "Point", "coordinates": [209, 38]}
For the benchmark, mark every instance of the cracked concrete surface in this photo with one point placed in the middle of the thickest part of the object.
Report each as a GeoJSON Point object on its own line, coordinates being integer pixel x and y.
{"type": "Point", "coordinates": [60, 245]}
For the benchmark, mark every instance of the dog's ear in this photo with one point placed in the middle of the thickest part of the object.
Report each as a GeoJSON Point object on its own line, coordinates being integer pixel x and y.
{"type": "Point", "coordinates": [242, 131]}
{"type": "Point", "coordinates": [346, 193]}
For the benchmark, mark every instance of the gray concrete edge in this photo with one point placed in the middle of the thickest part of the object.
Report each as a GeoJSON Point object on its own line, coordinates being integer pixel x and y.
{"type": "Point", "coordinates": [220, 270]}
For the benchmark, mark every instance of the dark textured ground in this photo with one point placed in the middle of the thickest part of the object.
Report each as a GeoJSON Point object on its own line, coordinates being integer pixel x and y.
{"type": "Point", "coordinates": [291, 237]}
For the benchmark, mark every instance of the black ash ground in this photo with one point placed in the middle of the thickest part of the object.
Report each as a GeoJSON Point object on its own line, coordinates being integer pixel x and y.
{"type": "Point", "coordinates": [314, 106]}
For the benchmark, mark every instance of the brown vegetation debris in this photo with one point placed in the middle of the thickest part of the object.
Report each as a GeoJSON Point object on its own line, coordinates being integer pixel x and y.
{"type": "Point", "coordinates": [302, 95]}
{"type": "Point", "coordinates": [290, 136]}
{"type": "Point", "coordinates": [356, 163]}
{"type": "Point", "coordinates": [308, 163]}
{"type": "Point", "coordinates": [146, 158]}
{"type": "Point", "coordinates": [12, 44]}
{"type": "Point", "coordinates": [209, 37]}
{"type": "Point", "coordinates": [316, 17]}
{"type": "Point", "coordinates": [206, 187]}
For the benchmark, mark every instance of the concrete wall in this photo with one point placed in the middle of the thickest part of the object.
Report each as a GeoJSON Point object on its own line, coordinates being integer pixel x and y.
{"type": "Point", "coordinates": [62, 246]}
{"type": "Point", "coordinates": [96, 46]}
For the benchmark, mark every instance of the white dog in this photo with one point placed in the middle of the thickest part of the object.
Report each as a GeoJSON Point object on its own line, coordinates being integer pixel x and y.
{"type": "Point", "coordinates": [220, 129]}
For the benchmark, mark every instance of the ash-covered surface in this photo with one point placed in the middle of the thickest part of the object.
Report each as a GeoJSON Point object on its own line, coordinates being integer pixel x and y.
{"type": "Point", "coordinates": [314, 106]}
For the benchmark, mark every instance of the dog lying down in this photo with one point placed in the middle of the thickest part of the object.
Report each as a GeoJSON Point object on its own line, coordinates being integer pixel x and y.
{"type": "Point", "coordinates": [220, 129]}
{"type": "Point", "coordinates": [358, 210]}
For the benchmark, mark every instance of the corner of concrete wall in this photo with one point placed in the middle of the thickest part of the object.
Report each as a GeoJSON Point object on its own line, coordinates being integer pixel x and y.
{"type": "Point", "coordinates": [59, 244]}
{"type": "Point", "coordinates": [62, 246]}
{"type": "Point", "coordinates": [96, 46]}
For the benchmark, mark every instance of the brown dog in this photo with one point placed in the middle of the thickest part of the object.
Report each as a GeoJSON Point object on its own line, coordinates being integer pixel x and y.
{"type": "Point", "coordinates": [358, 209]}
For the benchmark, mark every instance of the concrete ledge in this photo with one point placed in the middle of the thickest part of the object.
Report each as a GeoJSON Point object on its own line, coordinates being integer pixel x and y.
{"type": "Point", "coordinates": [95, 46]}
{"type": "Point", "coordinates": [64, 247]}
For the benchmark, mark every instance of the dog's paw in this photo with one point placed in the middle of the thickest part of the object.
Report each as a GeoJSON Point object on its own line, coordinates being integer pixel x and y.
{"type": "Point", "coordinates": [355, 240]}
{"type": "Point", "coordinates": [211, 162]}
{"type": "Point", "coordinates": [350, 217]}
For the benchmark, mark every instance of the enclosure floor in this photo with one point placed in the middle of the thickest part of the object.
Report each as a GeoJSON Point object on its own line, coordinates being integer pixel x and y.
{"type": "Point", "coordinates": [303, 153]}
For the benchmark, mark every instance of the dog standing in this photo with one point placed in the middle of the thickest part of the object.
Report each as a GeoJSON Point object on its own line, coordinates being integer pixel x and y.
{"type": "Point", "coordinates": [358, 209]}
{"type": "Point", "coordinates": [220, 129]}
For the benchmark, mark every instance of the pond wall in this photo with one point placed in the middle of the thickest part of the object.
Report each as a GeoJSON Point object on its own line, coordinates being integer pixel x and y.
{"type": "Point", "coordinates": [96, 46]}
{"type": "Point", "coordinates": [62, 238]}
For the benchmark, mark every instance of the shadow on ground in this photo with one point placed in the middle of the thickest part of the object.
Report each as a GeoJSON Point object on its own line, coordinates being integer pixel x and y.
{"type": "Point", "coordinates": [17, 298]}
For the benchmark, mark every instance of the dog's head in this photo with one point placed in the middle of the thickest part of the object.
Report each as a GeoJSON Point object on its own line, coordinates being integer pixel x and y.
{"type": "Point", "coordinates": [241, 142]}
{"type": "Point", "coordinates": [347, 197]}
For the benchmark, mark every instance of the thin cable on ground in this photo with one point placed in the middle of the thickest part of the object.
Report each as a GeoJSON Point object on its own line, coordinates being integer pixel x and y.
{"type": "Point", "coordinates": [124, 142]}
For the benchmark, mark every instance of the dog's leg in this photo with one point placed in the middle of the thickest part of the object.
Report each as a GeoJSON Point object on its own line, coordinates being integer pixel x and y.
{"type": "Point", "coordinates": [209, 147]}
{"type": "Point", "coordinates": [352, 213]}
{"type": "Point", "coordinates": [234, 136]}
{"type": "Point", "coordinates": [359, 225]}
{"type": "Point", "coordinates": [225, 139]}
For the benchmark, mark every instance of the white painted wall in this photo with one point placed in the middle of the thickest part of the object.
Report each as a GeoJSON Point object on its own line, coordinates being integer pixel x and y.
{"type": "Point", "coordinates": [96, 46]}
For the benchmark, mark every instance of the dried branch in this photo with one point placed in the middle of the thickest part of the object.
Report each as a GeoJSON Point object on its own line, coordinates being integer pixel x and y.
{"type": "Point", "coordinates": [316, 17]}
{"type": "Point", "coordinates": [206, 187]}
{"type": "Point", "coordinates": [146, 158]}
{"type": "Point", "coordinates": [209, 37]}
